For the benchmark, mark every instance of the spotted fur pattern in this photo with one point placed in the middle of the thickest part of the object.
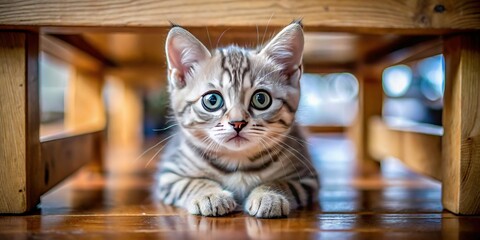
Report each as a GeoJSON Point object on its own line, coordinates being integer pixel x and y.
{"type": "Point", "coordinates": [265, 169]}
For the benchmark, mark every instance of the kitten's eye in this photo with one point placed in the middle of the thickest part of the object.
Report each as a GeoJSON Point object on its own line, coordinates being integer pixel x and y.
{"type": "Point", "coordinates": [212, 101]}
{"type": "Point", "coordinates": [261, 100]}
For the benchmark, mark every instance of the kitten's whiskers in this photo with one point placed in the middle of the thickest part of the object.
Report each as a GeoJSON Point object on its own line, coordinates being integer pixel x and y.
{"type": "Point", "coordinates": [154, 146]}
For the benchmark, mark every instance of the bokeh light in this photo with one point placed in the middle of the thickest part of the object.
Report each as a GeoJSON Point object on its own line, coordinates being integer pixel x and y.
{"type": "Point", "coordinates": [432, 72]}
{"type": "Point", "coordinates": [397, 80]}
{"type": "Point", "coordinates": [342, 87]}
{"type": "Point", "coordinates": [328, 99]}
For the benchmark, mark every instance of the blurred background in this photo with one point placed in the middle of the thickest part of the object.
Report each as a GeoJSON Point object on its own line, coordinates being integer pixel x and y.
{"type": "Point", "coordinates": [135, 98]}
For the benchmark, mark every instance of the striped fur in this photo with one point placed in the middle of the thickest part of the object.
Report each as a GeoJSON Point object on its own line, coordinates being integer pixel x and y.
{"type": "Point", "coordinates": [267, 171]}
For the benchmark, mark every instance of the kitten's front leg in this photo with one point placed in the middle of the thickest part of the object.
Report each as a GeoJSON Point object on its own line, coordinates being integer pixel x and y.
{"type": "Point", "coordinates": [200, 197]}
{"type": "Point", "coordinates": [273, 200]}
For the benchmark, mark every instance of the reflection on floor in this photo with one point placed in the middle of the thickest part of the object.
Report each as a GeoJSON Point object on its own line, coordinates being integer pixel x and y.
{"type": "Point", "coordinates": [392, 204]}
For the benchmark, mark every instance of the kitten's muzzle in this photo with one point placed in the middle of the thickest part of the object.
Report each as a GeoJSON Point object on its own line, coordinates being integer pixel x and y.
{"type": "Point", "coordinates": [238, 125]}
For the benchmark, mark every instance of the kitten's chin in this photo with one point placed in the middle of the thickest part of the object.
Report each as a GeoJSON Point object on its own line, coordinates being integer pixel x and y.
{"type": "Point", "coordinates": [237, 143]}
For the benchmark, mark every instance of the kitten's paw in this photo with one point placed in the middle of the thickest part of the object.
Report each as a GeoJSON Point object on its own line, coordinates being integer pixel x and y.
{"type": "Point", "coordinates": [267, 205]}
{"type": "Point", "coordinates": [212, 204]}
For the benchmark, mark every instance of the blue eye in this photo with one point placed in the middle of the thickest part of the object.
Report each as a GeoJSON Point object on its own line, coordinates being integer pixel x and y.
{"type": "Point", "coordinates": [212, 101]}
{"type": "Point", "coordinates": [261, 100]}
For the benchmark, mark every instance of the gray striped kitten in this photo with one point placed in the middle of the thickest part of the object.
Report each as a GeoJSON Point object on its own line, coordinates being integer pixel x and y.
{"type": "Point", "coordinates": [237, 142]}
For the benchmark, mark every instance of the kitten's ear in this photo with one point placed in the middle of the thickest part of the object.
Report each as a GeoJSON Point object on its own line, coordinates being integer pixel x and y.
{"type": "Point", "coordinates": [184, 51]}
{"type": "Point", "coordinates": [286, 49]}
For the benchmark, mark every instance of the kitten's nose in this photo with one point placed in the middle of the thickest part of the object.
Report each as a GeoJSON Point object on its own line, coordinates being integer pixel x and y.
{"type": "Point", "coordinates": [238, 125]}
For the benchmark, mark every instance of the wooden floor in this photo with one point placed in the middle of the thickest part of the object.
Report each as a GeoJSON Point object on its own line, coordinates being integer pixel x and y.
{"type": "Point", "coordinates": [391, 203]}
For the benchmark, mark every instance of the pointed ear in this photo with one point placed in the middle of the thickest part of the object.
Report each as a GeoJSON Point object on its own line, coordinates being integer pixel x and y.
{"type": "Point", "coordinates": [184, 51]}
{"type": "Point", "coordinates": [286, 49]}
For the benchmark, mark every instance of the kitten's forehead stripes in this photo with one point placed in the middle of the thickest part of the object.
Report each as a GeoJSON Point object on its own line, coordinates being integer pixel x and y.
{"type": "Point", "coordinates": [236, 66]}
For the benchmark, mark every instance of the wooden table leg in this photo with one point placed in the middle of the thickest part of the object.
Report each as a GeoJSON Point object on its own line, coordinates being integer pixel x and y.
{"type": "Point", "coordinates": [370, 105]}
{"type": "Point", "coordinates": [461, 121]}
{"type": "Point", "coordinates": [20, 166]}
{"type": "Point", "coordinates": [85, 111]}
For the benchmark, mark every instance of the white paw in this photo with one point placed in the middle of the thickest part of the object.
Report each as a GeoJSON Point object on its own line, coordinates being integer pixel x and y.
{"type": "Point", "coordinates": [212, 204]}
{"type": "Point", "coordinates": [267, 205]}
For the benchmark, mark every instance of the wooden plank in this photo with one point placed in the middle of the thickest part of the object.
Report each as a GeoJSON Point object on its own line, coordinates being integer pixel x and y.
{"type": "Point", "coordinates": [153, 76]}
{"type": "Point", "coordinates": [70, 54]}
{"type": "Point", "coordinates": [411, 16]}
{"type": "Point", "coordinates": [63, 154]}
{"type": "Point", "coordinates": [461, 120]}
{"type": "Point", "coordinates": [370, 100]}
{"type": "Point", "coordinates": [405, 50]}
{"type": "Point", "coordinates": [419, 146]}
{"type": "Point", "coordinates": [325, 68]}
{"type": "Point", "coordinates": [325, 129]}
{"type": "Point", "coordinates": [383, 141]}
{"type": "Point", "coordinates": [125, 114]}
{"type": "Point", "coordinates": [405, 53]}
{"type": "Point", "coordinates": [19, 122]}
{"type": "Point", "coordinates": [84, 109]}
{"type": "Point", "coordinates": [83, 45]}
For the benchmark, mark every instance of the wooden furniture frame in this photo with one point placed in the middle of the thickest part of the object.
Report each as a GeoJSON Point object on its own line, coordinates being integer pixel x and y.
{"type": "Point", "coordinates": [30, 166]}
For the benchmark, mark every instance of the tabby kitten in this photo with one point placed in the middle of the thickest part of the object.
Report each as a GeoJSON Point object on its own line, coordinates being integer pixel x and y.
{"type": "Point", "coordinates": [237, 141]}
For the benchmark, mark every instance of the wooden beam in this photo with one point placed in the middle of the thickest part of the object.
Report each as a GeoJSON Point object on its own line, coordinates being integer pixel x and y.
{"type": "Point", "coordinates": [325, 129]}
{"type": "Point", "coordinates": [388, 16]}
{"type": "Point", "coordinates": [70, 54]}
{"type": "Point", "coordinates": [63, 154]}
{"type": "Point", "coordinates": [125, 112]}
{"type": "Point", "coordinates": [370, 100]}
{"type": "Point", "coordinates": [143, 76]}
{"type": "Point", "coordinates": [84, 108]}
{"type": "Point", "coordinates": [419, 146]}
{"type": "Point", "coordinates": [329, 68]}
{"type": "Point", "coordinates": [461, 120]}
{"type": "Point", "coordinates": [83, 45]}
{"type": "Point", "coordinates": [408, 52]}
{"type": "Point", "coordinates": [28, 168]}
{"type": "Point", "coordinates": [19, 122]}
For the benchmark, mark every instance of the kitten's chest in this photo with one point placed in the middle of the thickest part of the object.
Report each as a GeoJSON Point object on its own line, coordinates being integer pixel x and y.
{"type": "Point", "coordinates": [241, 183]}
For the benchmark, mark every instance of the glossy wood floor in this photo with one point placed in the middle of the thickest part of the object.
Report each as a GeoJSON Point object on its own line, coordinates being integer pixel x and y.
{"type": "Point", "coordinates": [391, 203]}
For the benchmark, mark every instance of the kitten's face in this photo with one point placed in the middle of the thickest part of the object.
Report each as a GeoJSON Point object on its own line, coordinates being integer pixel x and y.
{"type": "Point", "coordinates": [235, 99]}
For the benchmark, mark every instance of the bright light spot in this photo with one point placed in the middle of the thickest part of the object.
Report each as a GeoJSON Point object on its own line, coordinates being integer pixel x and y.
{"type": "Point", "coordinates": [432, 71]}
{"type": "Point", "coordinates": [329, 99]}
{"type": "Point", "coordinates": [343, 87]}
{"type": "Point", "coordinates": [397, 80]}
{"type": "Point", "coordinates": [313, 100]}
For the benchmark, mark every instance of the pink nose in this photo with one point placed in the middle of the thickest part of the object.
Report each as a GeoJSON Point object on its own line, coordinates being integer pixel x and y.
{"type": "Point", "coordinates": [238, 125]}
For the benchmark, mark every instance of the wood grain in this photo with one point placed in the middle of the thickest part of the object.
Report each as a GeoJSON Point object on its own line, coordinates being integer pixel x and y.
{"type": "Point", "coordinates": [19, 121]}
{"type": "Point", "coordinates": [418, 146]}
{"type": "Point", "coordinates": [13, 123]}
{"type": "Point", "coordinates": [412, 16]}
{"type": "Point", "coordinates": [461, 120]}
{"type": "Point", "coordinates": [63, 154]}
{"type": "Point", "coordinates": [393, 203]}
{"type": "Point", "coordinates": [33, 163]}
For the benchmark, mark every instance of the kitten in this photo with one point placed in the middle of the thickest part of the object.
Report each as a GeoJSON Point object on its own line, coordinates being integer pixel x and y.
{"type": "Point", "coordinates": [237, 141]}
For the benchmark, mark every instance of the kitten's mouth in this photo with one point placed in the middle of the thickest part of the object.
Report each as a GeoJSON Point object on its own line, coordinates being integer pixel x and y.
{"type": "Point", "coordinates": [237, 139]}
